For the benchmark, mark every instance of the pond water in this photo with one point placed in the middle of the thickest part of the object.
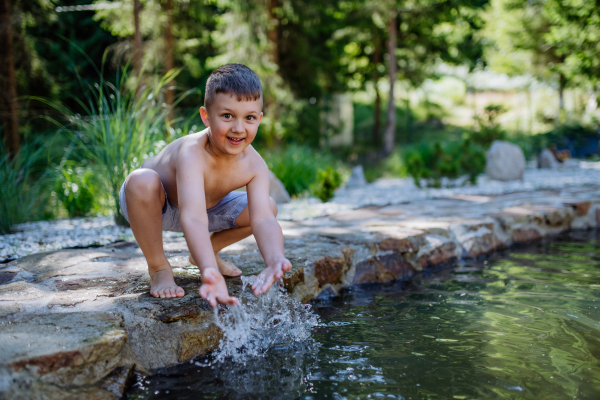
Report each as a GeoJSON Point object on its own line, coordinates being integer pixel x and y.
{"type": "Point", "coordinates": [525, 324]}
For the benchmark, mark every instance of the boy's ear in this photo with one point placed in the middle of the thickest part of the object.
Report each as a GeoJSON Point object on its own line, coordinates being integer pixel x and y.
{"type": "Point", "coordinates": [204, 116]}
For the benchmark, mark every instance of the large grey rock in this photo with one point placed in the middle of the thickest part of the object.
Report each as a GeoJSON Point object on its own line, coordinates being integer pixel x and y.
{"type": "Point", "coordinates": [277, 190]}
{"type": "Point", "coordinates": [357, 178]}
{"type": "Point", "coordinates": [505, 161]}
{"type": "Point", "coordinates": [546, 159]}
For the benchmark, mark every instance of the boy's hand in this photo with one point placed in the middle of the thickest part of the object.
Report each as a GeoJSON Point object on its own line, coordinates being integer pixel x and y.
{"type": "Point", "coordinates": [213, 288]}
{"type": "Point", "coordinates": [270, 274]}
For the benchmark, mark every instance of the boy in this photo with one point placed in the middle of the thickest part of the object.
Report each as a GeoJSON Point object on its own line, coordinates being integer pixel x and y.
{"type": "Point", "coordinates": [189, 187]}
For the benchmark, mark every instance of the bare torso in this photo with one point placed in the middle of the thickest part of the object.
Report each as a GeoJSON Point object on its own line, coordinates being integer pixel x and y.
{"type": "Point", "coordinates": [221, 176]}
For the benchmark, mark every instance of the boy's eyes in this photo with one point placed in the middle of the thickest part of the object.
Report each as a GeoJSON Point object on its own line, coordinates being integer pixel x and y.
{"type": "Point", "coordinates": [229, 116]}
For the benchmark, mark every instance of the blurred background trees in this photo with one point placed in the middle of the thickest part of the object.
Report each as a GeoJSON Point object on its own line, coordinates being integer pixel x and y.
{"type": "Point", "coordinates": [368, 82]}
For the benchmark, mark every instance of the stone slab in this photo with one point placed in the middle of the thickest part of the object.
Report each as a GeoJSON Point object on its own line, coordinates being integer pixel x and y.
{"type": "Point", "coordinates": [76, 322]}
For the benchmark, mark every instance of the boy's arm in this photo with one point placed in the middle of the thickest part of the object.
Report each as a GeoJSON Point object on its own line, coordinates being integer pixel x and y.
{"type": "Point", "coordinates": [266, 230]}
{"type": "Point", "coordinates": [194, 221]}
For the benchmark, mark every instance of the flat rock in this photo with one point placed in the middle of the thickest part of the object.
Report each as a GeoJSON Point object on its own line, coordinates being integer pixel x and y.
{"type": "Point", "coordinates": [76, 322]}
{"type": "Point", "coordinates": [92, 347]}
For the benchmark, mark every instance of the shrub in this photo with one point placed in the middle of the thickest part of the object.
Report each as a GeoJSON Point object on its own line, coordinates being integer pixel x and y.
{"type": "Point", "coordinates": [580, 139]}
{"type": "Point", "coordinates": [76, 188]}
{"type": "Point", "coordinates": [296, 166]}
{"type": "Point", "coordinates": [395, 164]}
{"type": "Point", "coordinates": [428, 164]}
{"type": "Point", "coordinates": [489, 127]}
{"type": "Point", "coordinates": [327, 181]}
{"type": "Point", "coordinates": [25, 192]}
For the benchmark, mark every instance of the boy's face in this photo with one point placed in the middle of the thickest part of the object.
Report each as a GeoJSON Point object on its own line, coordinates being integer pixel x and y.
{"type": "Point", "coordinates": [233, 124]}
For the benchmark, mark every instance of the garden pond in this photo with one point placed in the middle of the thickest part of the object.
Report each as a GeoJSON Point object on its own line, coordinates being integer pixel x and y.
{"type": "Point", "coordinates": [523, 324]}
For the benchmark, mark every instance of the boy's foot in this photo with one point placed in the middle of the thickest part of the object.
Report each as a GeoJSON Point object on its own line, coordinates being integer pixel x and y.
{"type": "Point", "coordinates": [225, 268]}
{"type": "Point", "coordinates": [163, 285]}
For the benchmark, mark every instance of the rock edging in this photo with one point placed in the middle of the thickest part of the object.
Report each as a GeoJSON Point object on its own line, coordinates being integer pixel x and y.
{"type": "Point", "coordinates": [77, 323]}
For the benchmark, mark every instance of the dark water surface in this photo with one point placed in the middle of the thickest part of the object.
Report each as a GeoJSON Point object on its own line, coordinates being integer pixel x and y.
{"type": "Point", "coordinates": [523, 325]}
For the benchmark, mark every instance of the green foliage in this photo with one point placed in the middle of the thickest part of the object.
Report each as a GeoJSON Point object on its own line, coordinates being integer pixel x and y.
{"type": "Point", "coordinates": [395, 164]}
{"type": "Point", "coordinates": [572, 135]}
{"type": "Point", "coordinates": [25, 192]}
{"type": "Point", "coordinates": [547, 39]}
{"type": "Point", "coordinates": [428, 164]}
{"type": "Point", "coordinates": [76, 188]}
{"type": "Point", "coordinates": [119, 127]}
{"type": "Point", "coordinates": [574, 131]}
{"type": "Point", "coordinates": [328, 180]}
{"type": "Point", "coordinates": [489, 127]}
{"type": "Point", "coordinates": [296, 166]}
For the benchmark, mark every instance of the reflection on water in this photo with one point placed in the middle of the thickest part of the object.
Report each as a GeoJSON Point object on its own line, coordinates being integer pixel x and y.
{"type": "Point", "coordinates": [523, 325]}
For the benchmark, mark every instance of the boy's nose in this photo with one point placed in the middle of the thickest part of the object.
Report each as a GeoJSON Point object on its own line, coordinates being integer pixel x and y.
{"type": "Point", "coordinates": [238, 126]}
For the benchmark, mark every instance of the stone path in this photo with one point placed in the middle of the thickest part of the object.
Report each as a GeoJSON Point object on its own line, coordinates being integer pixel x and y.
{"type": "Point", "coordinates": [33, 237]}
{"type": "Point", "coordinates": [76, 322]}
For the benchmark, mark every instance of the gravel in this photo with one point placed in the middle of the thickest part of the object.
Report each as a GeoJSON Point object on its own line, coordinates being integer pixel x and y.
{"type": "Point", "coordinates": [34, 237]}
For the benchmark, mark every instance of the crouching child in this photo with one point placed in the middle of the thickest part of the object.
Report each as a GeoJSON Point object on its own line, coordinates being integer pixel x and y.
{"type": "Point", "coordinates": [190, 187]}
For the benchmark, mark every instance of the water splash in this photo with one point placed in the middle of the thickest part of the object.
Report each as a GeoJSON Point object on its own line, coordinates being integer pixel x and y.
{"type": "Point", "coordinates": [258, 324]}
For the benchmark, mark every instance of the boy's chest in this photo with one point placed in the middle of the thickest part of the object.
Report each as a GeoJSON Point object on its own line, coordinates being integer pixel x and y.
{"type": "Point", "coordinates": [220, 182]}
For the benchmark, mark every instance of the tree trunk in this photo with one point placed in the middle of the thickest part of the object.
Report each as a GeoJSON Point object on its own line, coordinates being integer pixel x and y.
{"type": "Point", "coordinates": [562, 81]}
{"type": "Point", "coordinates": [10, 111]}
{"type": "Point", "coordinates": [169, 61]}
{"type": "Point", "coordinates": [273, 34]}
{"type": "Point", "coordinates": [137, 40]}
{"type": "Point", "coordinates": [377, 127]}
{"type": "Point", "coordinates": [390, 129]}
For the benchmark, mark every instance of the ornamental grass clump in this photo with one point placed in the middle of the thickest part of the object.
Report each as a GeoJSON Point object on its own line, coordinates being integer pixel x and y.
{"type": "Point", "coordinates": [119, 126]}
{"type": "Point", "coordinates": [25, 190]}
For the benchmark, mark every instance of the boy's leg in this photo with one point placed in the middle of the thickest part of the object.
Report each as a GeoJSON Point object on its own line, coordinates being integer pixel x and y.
{"type": "Point", "coordinates": [222, 239]}
{"type": "Point", "coordinates": [145, 198]}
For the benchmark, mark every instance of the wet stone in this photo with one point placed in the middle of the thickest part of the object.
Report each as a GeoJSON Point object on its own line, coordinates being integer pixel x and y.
{"type": "Point", "coordinates": [7, 276]}
{"type": "Point", "coordinates": [383, 268]}
{"type": "Point", "coordinates": [330, 270]}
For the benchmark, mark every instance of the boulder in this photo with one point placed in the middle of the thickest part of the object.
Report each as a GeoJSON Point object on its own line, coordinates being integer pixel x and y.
{"type": "Point", "coordinates": [505, 161]}
{"type": "Point", "coordinates": [357, 178]}
{"type": "Point", "coordinates": [546, 159]}
{"type": "Point", "coordinates": [277, 190]}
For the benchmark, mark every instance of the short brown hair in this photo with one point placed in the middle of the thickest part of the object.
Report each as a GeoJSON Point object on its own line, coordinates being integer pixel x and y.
{"type": "Point", "coordinates": [234, 79]}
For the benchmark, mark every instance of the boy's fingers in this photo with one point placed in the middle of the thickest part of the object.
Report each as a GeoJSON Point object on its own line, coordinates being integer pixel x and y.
{"type": "Point", "coordinates": [232, 301]}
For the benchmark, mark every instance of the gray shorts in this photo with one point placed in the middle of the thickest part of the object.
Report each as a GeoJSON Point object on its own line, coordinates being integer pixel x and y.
{"type": "Point", "coordinates": [220, 217]}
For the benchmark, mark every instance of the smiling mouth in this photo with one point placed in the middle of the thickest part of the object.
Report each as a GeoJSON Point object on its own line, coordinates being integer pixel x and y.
{"type": "Point", "coordinates": [235, 140]}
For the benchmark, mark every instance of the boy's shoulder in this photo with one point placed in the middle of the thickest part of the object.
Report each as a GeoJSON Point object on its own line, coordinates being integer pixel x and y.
{"type": "Point", "coordinates": [193, 146]}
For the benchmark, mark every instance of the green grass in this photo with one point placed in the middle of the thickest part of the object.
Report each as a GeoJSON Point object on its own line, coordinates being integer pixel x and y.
{"type": "Point", "coordinates": [25, 192]}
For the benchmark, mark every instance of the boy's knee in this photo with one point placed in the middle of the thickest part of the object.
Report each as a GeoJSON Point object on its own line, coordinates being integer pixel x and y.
{"type": "Point", "coordinates": [143, 183]}
{"type": "Point", "coordinates": [273, 206]}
